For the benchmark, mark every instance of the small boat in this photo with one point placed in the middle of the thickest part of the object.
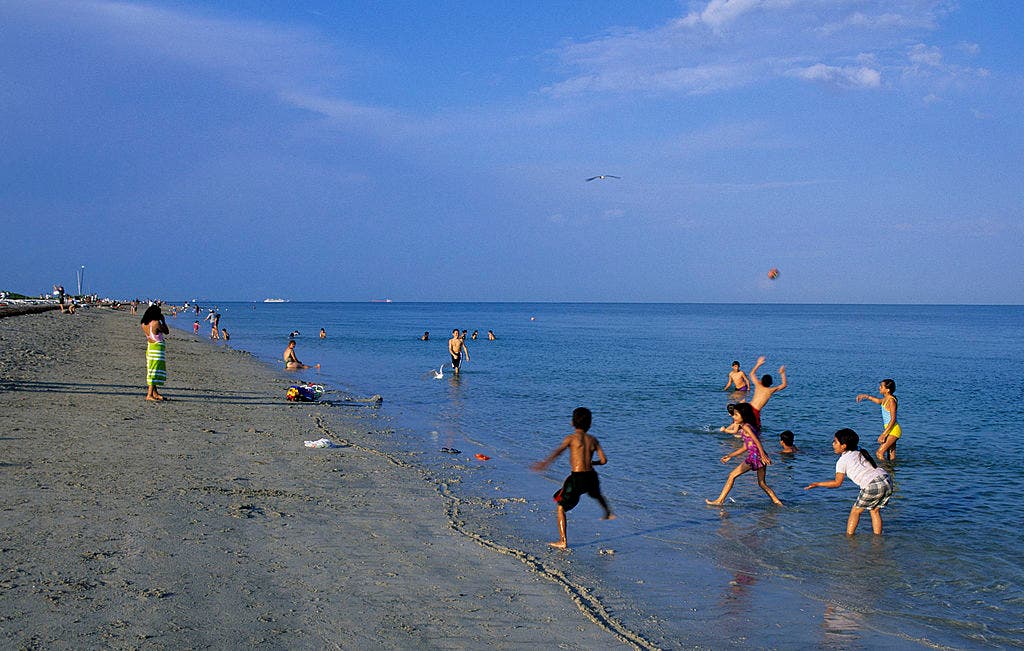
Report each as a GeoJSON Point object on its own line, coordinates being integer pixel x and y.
{"type": "Point", "coordinates": [275, 300]}
{"type": "Point", "coordinates": [380, 300]}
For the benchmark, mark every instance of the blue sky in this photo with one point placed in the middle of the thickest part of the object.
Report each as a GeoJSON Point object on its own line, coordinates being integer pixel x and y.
{"type": "Point", "coordinates": [872, 151]}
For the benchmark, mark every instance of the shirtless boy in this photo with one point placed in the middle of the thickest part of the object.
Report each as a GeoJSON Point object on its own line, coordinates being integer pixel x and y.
{"type": "Point", "coordinates": [582, 448]}
{"type": "Point", "coordinates": [456, 347]}
{"type": "Point", "coordinates": [738, 379]}
{"type": "Point", "coordinates": [763, 389]}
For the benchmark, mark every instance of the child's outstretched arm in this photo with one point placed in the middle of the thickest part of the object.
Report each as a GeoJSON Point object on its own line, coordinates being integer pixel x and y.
{"type": "Point", "coordinates": [785, 382]}
{"type": "Point", "coordinates": [835, 483]}
{"type": "Point", "coordinates": [541, 465]}
{"type": "Point", "coordinates": [864, 396]}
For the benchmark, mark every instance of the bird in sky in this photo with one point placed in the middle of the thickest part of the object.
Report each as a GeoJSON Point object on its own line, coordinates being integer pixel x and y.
{"type": "Point", "coordinates": [603, 176]}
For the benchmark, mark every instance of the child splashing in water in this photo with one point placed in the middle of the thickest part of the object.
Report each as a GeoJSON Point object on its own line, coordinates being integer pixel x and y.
{"type": "Point", "coordinates": [875, 483]}
{"type": "Point", "coordinates": [756, 458]}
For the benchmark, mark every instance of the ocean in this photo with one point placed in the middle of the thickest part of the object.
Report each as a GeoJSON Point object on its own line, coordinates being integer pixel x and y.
{"type": "Point", "coordinates": [946, 573]}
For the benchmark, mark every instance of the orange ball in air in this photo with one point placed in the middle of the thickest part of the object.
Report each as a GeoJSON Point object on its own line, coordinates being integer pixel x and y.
{"type": "Point", "coordinates": [773, 273]}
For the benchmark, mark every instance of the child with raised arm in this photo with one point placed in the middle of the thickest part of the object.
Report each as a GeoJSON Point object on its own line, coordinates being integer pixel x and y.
{"type": "Point", "coordinates": [756, 458]}
{"type": "Point", "coordinates": [875, 484]}
{"type": "Point", "coordinates": [763, 389]}
{"type": "Point", "coordinates": [582, 448]}
{"type": "Point", "coordinates": [891, 431]}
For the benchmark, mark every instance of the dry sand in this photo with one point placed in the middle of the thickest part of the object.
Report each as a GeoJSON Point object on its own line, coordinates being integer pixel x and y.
{"type": "Point", "coordinates": [205, 522]}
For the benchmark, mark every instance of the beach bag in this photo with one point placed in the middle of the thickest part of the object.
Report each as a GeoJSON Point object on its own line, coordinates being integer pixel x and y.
{"type": "Point", "coordinates": [303, 393]}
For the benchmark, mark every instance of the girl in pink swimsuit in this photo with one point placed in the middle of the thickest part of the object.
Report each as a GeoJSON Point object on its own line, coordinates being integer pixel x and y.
{"type": "Point", "coordinates": [756, 458]}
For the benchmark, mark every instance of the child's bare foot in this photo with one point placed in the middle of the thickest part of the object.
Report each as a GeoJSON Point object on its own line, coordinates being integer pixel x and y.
{"type": "Point", "coordinates": [558, 545]}
{"type": "Point", "coordinates": [610, 516]}
{"type": "Point", "coordinates": [715, 503]}
{"type": "Point", "coordinates": [152, 398]}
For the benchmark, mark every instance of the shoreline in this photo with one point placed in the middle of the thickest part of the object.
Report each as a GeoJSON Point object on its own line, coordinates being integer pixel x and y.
{"type": "Point", "coordinates": [204, 520]}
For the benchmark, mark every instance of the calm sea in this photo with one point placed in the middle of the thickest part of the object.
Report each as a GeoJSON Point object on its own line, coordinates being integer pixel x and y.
{"type": "Point", "coordinates": [948, 570]}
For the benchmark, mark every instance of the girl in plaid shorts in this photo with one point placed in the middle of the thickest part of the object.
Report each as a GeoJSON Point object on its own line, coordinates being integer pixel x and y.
{"type": "Point", "coordinates": [876, 484]}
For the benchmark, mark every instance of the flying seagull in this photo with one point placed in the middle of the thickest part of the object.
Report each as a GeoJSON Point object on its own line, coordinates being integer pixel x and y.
{"type": "Point", "coordinates": [603, 176]}
{"type": "Point", "coordinates": [439, 374]}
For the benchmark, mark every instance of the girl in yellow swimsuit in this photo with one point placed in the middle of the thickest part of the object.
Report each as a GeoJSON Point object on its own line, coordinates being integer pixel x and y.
{"type": "Point", "coordinates": [891, 431]}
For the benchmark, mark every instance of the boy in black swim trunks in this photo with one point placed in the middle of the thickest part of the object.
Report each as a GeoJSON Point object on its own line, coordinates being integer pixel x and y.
{"type": "Point", "coordinates": [582, 448]}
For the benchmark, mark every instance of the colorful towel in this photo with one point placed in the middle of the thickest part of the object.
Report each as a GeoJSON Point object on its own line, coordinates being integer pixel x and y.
{"type": "Point", "coordinates": [156, 363]}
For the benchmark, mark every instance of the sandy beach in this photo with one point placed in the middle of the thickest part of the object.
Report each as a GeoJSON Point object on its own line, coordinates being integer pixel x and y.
{"type": "Point", "coordinates": [204, 521]}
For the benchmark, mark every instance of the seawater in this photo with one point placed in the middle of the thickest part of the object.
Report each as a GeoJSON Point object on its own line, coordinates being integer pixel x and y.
{"type": "Point", "coordinates": [946, 572]}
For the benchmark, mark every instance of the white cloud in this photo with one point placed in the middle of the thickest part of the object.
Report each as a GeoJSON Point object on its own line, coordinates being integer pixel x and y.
{"type": "Point", "coordinates": [925, 55]}
{"type": "Point", "coordinates": [847, 77]}
{"type": "Point", "coordinates": [725, 44]}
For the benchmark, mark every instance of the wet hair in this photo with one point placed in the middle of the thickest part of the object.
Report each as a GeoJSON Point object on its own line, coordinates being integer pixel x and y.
{"type": "Point", "coordinates": [889, 384]}
{"type": "Point", "coordinates": [581, 418]}
{"type": "Point", "coordinates": [735, 363]}
{"type": "Point", "coordinates": [766, 380]}
{"type": "Point", "coordinates": [152, 313]}
{"type": "Point", "coordinates": [849, 438]}
{"type": "Point", "coordinates": [746, 413]}
{"type": "Point", "coordinates": [787, 438]}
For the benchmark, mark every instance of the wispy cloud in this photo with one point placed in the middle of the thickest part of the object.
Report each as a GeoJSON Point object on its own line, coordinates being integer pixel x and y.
{"type": "Point", "coordinates": [294, 65]}
{"type": "Point", "coordinates": [725, 44]}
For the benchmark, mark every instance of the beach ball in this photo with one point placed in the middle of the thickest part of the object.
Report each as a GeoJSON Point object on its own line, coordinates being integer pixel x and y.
{"type": "Point", "coordinates": [773, 273]}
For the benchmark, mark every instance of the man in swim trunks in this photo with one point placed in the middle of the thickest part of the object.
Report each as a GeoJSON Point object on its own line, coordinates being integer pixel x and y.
{"type": "Point", "coordinates": [456, 347]}
{"type": "Point", "coordinates": [763, 389]}
{"type": "Point", "coordinates": [738, 379]}
{"type": "Point", "coordinates": [582, 448]}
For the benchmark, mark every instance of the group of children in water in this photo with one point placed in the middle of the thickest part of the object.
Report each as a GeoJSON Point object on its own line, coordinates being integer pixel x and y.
{"type": "Point", "coordinates": [876, 484]}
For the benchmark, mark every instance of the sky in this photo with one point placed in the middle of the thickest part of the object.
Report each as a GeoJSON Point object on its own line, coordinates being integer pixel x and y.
{"type": "Point", "coordinates": [871, 151]}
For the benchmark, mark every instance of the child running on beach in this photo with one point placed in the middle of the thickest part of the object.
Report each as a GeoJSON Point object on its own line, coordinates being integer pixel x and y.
{"type": "Point", "coordinates": [891, 431]}
{"type": "Point", "coordinates": [875, 484]}
{"type": "Point", "coordinates": [756, 458]}
{"type": "Point", "coordinates": [582, 448]}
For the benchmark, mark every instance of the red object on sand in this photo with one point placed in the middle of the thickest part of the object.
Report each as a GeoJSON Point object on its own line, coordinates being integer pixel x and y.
{"type": "Point", "coordinates": [482, 457]}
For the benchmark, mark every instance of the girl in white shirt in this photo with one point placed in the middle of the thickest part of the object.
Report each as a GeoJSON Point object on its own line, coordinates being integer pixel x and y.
{"type": "Point", "coordinates": [876, 484]}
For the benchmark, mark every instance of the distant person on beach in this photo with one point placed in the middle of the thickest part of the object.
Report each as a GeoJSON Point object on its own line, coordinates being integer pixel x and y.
{"type": "Point", "coordinates": [323, 333]}
{"type": "Point", "coordinates": [756, 458]}
{"type": "Point", "coordinates": [155, 327]}
{"type": "Point", "coordinates": [225, 334]}
{"type": "Point", "coordinates": [763, 389]}
{"type": "Point", "coordinates": [425, 337]}
{"type": "Point", "coordinates": [195, 327]}
{"type": "Point", "coordinates": [291, 362]}
{"type": "Point", "coordinates": [737, 379]}
{"type": "Point", "coordinates": [456, 348]}
{"type": "Point", "coordinates": [891, 431]}
{"type": "Point", "coordinates": [490, 335]}
{"type": "Point", "coordinates": [582, 448]}
{"type": "Point", "coordinates": [464, 332]}
{"type": "Point", "coordinates": [786, 441]}
{"type": "Point", "coordinates": [474, 335]}
{"type": "Point", "coordinates": [876, 485]}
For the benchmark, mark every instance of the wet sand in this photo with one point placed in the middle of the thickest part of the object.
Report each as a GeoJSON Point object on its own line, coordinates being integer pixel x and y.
{"type": "Point", "coordinates": [204, 521]}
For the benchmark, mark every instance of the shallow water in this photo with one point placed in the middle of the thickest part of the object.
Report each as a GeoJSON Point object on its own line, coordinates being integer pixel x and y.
{"type": "Point", "coordinates": [948, 569]}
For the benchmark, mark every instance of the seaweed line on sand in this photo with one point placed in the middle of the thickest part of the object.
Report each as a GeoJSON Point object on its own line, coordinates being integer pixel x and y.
{"type": "Point", "coordinates": [588, 604]}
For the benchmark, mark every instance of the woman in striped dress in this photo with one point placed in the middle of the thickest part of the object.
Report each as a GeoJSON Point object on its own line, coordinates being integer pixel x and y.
{"type": "Point", "coordinates": [155, 327]}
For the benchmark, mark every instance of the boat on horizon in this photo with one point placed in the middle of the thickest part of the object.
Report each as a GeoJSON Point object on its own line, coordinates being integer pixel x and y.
{"type": "Point", "coordinates": [380, 300]}
{"type": "Point", "coordinates": [275, 300]}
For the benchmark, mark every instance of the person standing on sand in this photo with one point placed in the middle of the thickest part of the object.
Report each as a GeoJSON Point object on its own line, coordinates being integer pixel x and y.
{"type": "Point", "coordinates": [155, 327]}
{"type": "Point", "coordinates": [763, 389]}
{"type": "Point", "coordinates": [456, 347]}
{"type": "Point", "coordinates": [582, 448]}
